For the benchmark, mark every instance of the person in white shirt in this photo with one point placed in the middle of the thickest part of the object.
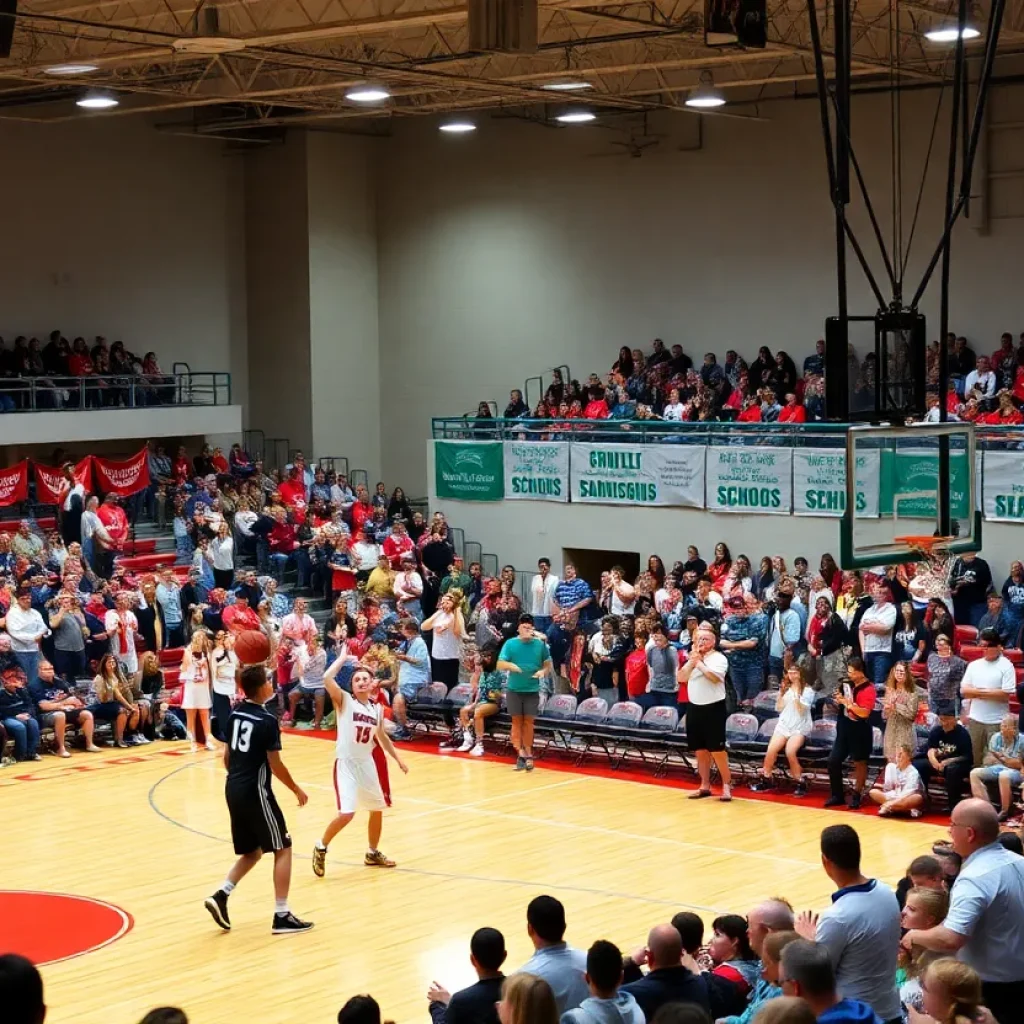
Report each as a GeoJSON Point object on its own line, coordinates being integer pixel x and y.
{"type": "Point", "coordinates": [221, 553]}
{"type": "Point", "coordinates": [876, 626]}
{"type": "Point", "coordinates": [121, 626]}
{"type": "Point", "coordinates": [981, 383]}
{"type": "Point", "coordinates": [988, 684]}
{"type": "Point", "coordinates": [794, 703]}
{"type": "Point", "coordinates": [297, 625]}
{"type": "Point", "coordinates": [542, 595]}
{"type": "Point", "coordinates": [901, 791]}
{"type": "Point", "coordinates": [26, 629]}
{"type": "Point", "coordinates": [407, 587]}
{"type": "Point", "coordinates": [674, 408]}
{"type": "Point", "coordinates": [365, 554]}
{"type": "Point", "coordinates": [704, 673]}
{"type": "Point", "coordinates": [623, 596]}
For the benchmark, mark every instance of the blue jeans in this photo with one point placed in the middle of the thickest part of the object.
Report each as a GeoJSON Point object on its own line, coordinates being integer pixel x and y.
{"type": "Point", "coordinates": [25, 735]}
{"type": "Point", "coordinates": [542, 623]}
{"type": "Point", "coordinates": [775, 667]}
{"type": "Point", "coordinates": [28, 661]}
{"type": "Point", "coordinates": [747, 678]}
{"type": "Point", "coordinates": [658, 699]}
{"type": "Point", "coordinates": [279, 561]}
{"type": "Point", "coordinates": [878, 666]}
{"type": "Point", "coordinates": [304, 568]}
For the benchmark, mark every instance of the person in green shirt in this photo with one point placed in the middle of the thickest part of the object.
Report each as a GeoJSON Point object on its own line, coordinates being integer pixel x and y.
{"type": "Point", "coordinates": [457, 580]}
{"type": "Point", "coordinates": [527, 661]}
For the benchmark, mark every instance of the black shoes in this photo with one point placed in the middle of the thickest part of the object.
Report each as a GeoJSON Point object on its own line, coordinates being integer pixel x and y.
{"type": "Point", "coordinates": [217, 905]}
{"type": "Point", "coordinates": [288, 924]}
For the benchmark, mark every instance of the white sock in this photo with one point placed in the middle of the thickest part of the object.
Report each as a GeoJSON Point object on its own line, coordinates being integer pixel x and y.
{"type": "Point", "coordinates": [320, 845]}
{"type": "Point", "coordinates": [227, 887]}
{"type": "Point", "coordinates": [280, 906]}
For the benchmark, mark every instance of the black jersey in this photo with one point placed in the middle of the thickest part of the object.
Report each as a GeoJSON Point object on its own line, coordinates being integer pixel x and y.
{"type": "Point", "coordinates": [252, 733]}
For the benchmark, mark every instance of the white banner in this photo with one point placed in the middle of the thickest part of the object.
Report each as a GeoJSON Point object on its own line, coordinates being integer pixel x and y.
{"type": "Point", "coordinates": [819, 482]}
{"type": "Point", "coordinates": [618, 474]}
{"type": "Point", "coordinates": [536, 470]}
{"type": "Point", "coordinates": [750, 479]}
{"type": "Point", "coordinates": [1003, 487]}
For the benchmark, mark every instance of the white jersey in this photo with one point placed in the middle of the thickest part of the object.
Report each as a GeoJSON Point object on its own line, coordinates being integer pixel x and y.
{"type": "Point", "coordinates": [357, 724]}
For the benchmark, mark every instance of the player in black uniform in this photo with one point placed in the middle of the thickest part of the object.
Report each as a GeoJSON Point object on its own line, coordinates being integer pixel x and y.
{"type": "Point", "coordinates": [252, 754]}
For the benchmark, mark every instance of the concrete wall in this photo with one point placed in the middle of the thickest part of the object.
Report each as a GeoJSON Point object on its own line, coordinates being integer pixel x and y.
{"type": "Point", "coordinates": [277, 279]}
{"type": "Point", "coordinates": [518, 248]}
{"type": "Point", "coordinates": [344, 354]}
{"type": "Point", "coordinates": [112, 228]}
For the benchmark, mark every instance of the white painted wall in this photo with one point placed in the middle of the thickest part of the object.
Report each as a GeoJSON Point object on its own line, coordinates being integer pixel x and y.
{"type": "Point", "coordinates": [112, 228]}
{"type": "Point", "coordinates": [518, 248]}
{"type": "Point", "coordinates": [343, 335]}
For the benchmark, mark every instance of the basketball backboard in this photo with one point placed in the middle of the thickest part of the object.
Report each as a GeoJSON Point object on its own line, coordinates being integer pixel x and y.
{"type": "Point", "coordinates": [904, 482]}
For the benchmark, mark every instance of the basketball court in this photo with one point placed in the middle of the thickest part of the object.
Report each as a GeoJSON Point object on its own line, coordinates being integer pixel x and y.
{"type": "Point", "coordinates": [474, 843]}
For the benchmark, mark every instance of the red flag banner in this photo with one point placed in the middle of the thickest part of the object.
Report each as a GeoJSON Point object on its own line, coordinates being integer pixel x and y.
{"type": "Point", "coordinates": [14, 484]}
{"type": "Point", "coordinates": [122, 478]}
{"type": "Point", "coordinates": [50, 481]}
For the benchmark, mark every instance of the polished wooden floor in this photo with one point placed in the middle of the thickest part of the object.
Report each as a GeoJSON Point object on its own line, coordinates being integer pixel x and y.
{"type": "Point", "coordinates": [474, 841]}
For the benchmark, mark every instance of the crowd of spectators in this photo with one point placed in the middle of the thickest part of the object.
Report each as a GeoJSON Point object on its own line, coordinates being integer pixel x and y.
{"type": "Point", "coordinates": [112, 376]}
{"type": "Point", "coordinates": [941, 946]}
{"type": "Point", "coordinates": [667, 385]}
{"type": "Point", "coordinates": [74, 609]}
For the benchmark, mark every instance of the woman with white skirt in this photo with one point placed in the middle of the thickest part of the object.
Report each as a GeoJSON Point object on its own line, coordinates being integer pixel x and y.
{"type": "Point", "coordinates": [196, 677]}
{"type": "Point", "coordinates": [796, 698]}
{"type": "Point", "coordinates": [225, 666]}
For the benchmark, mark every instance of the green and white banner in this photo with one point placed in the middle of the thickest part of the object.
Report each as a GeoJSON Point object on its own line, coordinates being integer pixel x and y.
{"type": "Point", "coordinates": [911, 478]}
{"type": "Point", "coordinates": [537, 470]}
{"type": "Point", "coordinates": [1003, 490]}
{"type": "Point", "coordinates": [750, 479]}
{"type": "Point", "coordinates": [618, 474]}
{"type": "Point", "coordinates": [819, 482]}
{"type": "Point", "coordinates": [469, 470]}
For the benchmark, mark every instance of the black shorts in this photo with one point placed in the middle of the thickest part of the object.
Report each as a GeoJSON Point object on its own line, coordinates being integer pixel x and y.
{"type": "Point", "coordinates": [854, 739]}
{"type": "Point", "coordinates": [705, 726]}
{"type": "Point", "coordinates": [256, 821]}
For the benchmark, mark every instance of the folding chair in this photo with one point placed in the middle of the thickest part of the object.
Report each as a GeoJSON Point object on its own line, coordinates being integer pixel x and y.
{"type": "Point", "coordinates": [660, 723]}
{"type": "Point", "coordinates": [740, 728]}
{"type": "Point", "coordinates": [623, 718]}
{"type": "Point", "coordinates": [589, 715]}
{"type": "Point", "coordinates": [764, 705]}
{"type": "Point", "coordinates": [556, 721]}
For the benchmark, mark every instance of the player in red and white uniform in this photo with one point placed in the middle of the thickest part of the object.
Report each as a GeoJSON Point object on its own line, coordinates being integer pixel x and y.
{"type": "Point", "coordinates": [359, 783]}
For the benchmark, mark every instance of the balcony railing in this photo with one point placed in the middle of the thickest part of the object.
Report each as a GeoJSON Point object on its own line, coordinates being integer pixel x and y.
{"type": "Point", "coordinates": [72, 394]}
{"type": "Point", "coordinates": [717, 432]}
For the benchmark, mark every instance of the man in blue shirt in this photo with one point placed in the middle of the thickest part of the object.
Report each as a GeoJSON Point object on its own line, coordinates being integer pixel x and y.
{"type": "Point", "coordinates": [806, 971]}
{"type": "Point", "coordinates": [783, 634]}
{"type": "Point", "coordinates": [742, 643]}
{"type": "Point", "coordinates": [18, 716]}
{"type": "Point", "coordinates": [572, 597]}
{"type": "Point", "coordinates": [561, 966]}
{"type": "Point", "coordinates": [984, 926]}
{"type": "Point", "coordinates": [413, 672]}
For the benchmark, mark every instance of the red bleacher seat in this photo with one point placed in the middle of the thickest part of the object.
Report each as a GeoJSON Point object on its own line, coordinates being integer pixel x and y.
{"type": "Point", "coordinates": [140, 547]}
{"type": "Point", "coordinates": [46, 523]}
{"type": "Point", "coordinates": [1018, 671]}
{"type": "Point", "coordinates": [171, 656]}
{"type": "Point", "coordinates": [1014, 654]}
{"type": "Point", "coordinates": [147, 563]}
{"type": "Point", "coordinates": [919, 669]}
{"type": "Point", "coordinates": [171, 676]}
{"type": "Point", "coordinates": [971, 652]}
{"type": "Point", "coordinates": [964, 635]}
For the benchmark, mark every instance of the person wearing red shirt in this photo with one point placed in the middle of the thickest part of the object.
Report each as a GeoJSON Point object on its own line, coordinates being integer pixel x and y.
{"type": "Point", "coordinates": [751, 410]}
{"type": "Point", "coordinates": [182, 471]}
{"type": "Point", "coordinates": [1006, 414]}
{"type": "Point", "coordinates": [597, 407]}
{"type": "Point", "coordinates": [239, 617]}
{"type": "Point", "coordinates": [397, 544]}
{"type": "Point", "coordinates": [293, 490]}
{"type": "Point", "coordinates": [854, 735]}
{"type": "Point", "coordinates": [637, 673]}
{"type": "Point", "coordinates": [792, 412]}
{"type": "Point", "coordinates": [362, 510]}
{"type": "Point", "coordinates": [220, 464]}
{"type": "Point", "coordinates": [282, 540]}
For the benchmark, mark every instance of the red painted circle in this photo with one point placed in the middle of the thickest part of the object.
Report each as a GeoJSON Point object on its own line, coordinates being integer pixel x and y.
{"type": "Point", "coordinates": [51, 926]}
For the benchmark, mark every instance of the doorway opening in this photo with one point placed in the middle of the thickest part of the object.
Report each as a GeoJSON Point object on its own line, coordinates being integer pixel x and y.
{"type": "Point", "coordinates": [591, 562]}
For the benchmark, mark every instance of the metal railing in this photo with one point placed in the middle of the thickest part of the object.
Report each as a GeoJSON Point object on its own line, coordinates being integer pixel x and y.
{"type": "Point", "coordinates": [334, 464]}
{"type": "Point", "coordinates": [114, 391]}
{"type": "Point", "coordinates": [254, 441]}
{"type": "Point", "coordinates": [782, 435]}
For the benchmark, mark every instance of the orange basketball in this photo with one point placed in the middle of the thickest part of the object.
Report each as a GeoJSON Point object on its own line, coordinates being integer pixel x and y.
{"type": "Point", "coordinates": [252, 647]}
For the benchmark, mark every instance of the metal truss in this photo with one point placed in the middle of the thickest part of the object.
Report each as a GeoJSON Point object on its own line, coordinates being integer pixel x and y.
{"type": "Point", "coordinates": [298, 57]}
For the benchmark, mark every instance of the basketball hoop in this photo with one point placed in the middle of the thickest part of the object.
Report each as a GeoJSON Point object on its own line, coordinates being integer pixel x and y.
{"type": "Point", "coordinates": [934, 549]}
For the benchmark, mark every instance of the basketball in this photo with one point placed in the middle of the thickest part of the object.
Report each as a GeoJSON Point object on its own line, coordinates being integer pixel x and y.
{"type": "Point", "coordinates": [252, 647]}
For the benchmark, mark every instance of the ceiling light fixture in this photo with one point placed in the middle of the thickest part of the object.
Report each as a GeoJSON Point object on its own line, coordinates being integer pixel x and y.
{"type": "Point", "coordinates": [576, 117]}
{"type": "Point", "coordinates": [705, 96]}
{"type": "Point", "coordinates": [97, 99]}
{"type": "Point", "coordinates": [950, 33]}
{"type": "Point", "coordinates": [567, 86]}
{"type": "Point", "coordinates": [367, 94]}
{"type": "Point", "coordinates": [458, 127]}
{"type": "Point", "coordinates": [71, 69]}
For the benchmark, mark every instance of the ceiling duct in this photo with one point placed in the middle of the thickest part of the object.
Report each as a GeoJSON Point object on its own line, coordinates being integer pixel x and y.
{"type": "Point", "coordinates": [206, 39]}
{"type": "Point", "coordinates": [504, 26]}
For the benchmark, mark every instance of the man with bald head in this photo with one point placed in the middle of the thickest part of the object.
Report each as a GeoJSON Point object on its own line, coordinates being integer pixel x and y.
{"type": "Point", "coordinates": [985, 923]}
{"type": "Point", "coordinates": [667, 981]}
{"type": "Point", "coordinates": [774, 915]}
